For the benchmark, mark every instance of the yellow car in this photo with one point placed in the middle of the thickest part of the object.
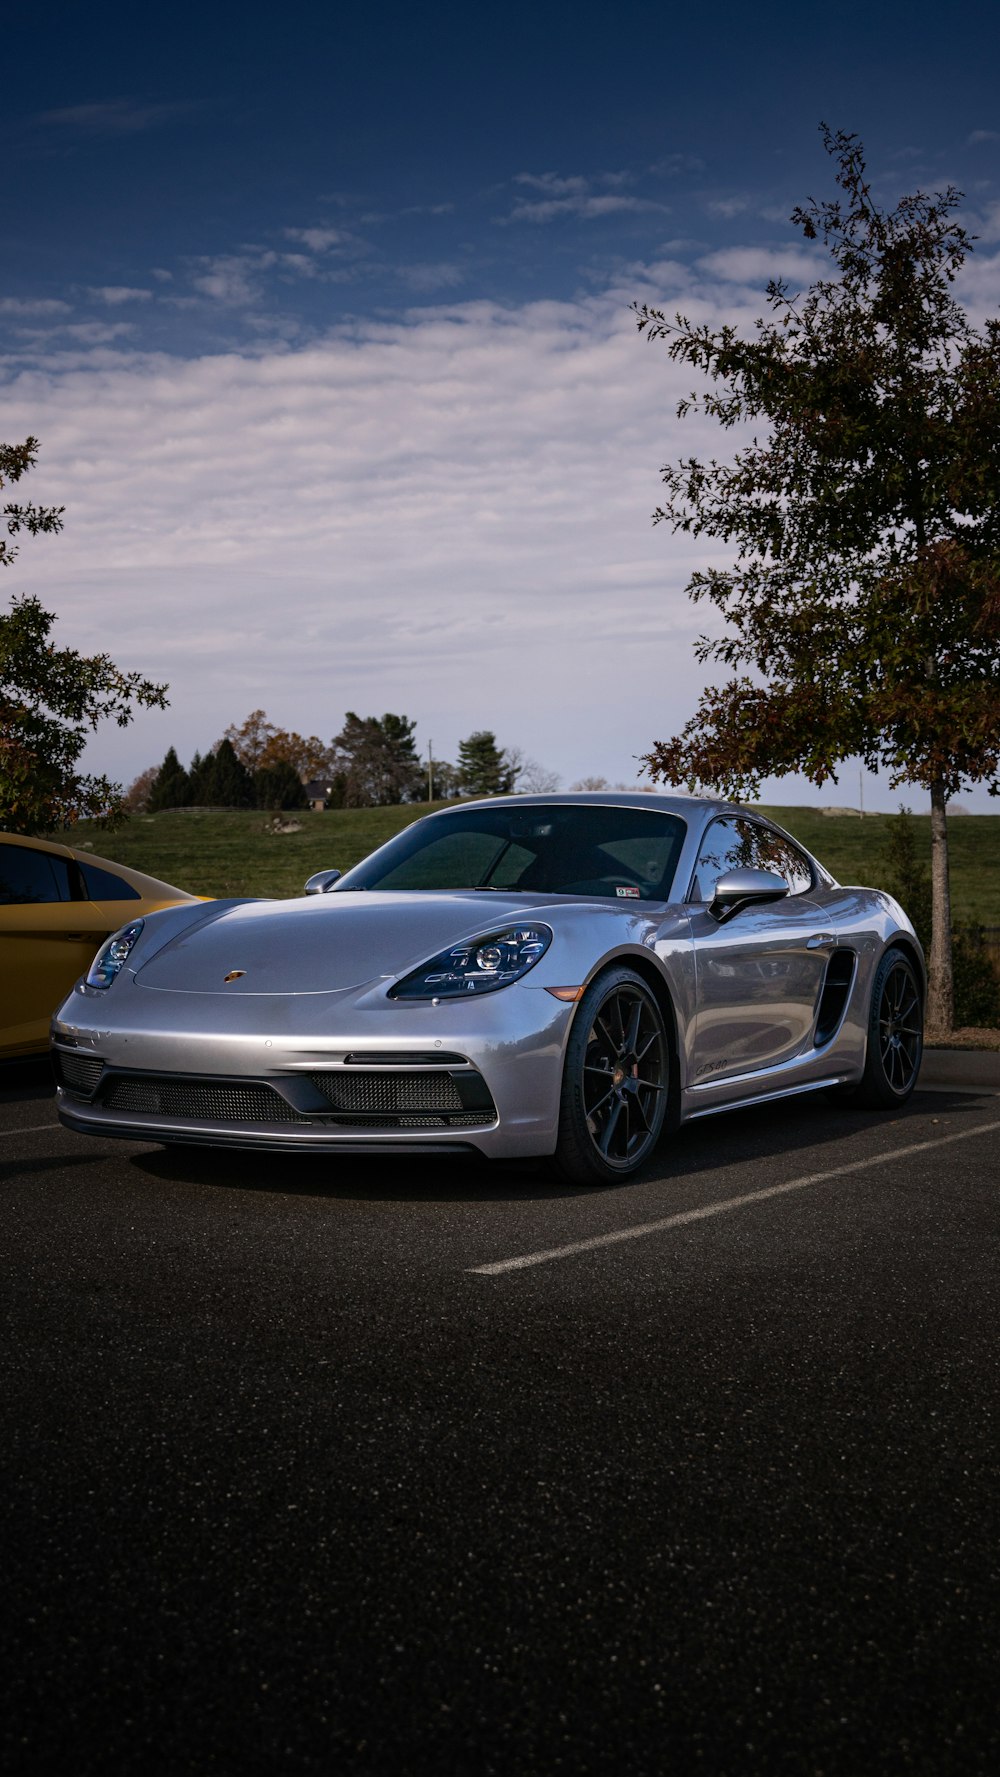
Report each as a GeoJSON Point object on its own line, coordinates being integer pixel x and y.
{"type": "Point", "coordinates": [57, 906]}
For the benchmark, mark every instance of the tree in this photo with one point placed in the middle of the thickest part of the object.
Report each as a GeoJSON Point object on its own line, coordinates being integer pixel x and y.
{"type": "Point", "coordinates": [483, 769]}
{"type": "Point", "coordinates": [378, 759]}
{"type": "Point", "coordinates": [279, 786]}
{"type": "Point", "coordinates": [251, 739]}
{"type": "Point", "coordinates": [904, 873]}
{"type": "Point", "coordinates": [52, 698]}
{"type": "Point", "coordinates": [258, 744]}
{"type": "Point", "coordinates": [137, 794]}
{"type": "Point", "coordinates": [864, 603]}
{"type": "Point", "coordinates": [444, 781]}
{"type": "Point", "coordinates": [171, 786]}
{"type": "Point", "coordinates": [223, 781]}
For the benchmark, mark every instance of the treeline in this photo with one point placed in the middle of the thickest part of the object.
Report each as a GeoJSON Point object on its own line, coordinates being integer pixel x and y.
{"type": "Point", "coordinates": [373, 762]}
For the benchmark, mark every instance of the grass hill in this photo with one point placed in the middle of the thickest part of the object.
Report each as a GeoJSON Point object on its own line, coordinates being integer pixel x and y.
{"type": "Point", "coordinates": [231, 852]}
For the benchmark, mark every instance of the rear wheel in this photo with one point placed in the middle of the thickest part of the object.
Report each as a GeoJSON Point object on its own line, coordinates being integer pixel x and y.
{"type": "Point", "coordinates": [615, 1082]}
{"type": "Point", "coordinates": [895, 1034]}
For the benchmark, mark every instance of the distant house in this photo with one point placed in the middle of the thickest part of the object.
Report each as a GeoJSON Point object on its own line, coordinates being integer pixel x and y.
{"type": "Point", "coordinates": [319, 792]}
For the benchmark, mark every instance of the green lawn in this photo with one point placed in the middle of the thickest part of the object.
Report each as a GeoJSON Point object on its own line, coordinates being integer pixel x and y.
{"type": "Point", "coordinates": [226, 852]}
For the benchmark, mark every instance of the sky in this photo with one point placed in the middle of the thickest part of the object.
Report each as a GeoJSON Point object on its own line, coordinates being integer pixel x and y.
{"type": "Point", "coordinates": [322, 316]}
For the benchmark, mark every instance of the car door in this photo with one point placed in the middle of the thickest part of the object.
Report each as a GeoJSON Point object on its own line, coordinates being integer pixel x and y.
{"type": "Point", "coordinates": [47, 939]}
{"type": "Point", "coordinates": [760, 973]}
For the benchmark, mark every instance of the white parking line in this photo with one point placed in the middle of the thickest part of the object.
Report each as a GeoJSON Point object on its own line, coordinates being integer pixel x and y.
{"type": "Point", "coordinates": [717, 1209]}
{"type": "Point", "coordinates": [35, 1129]}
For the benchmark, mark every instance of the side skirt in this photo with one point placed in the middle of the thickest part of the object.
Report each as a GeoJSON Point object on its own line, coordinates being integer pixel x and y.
{"type": "Point", "coordinates": [741, 1104]}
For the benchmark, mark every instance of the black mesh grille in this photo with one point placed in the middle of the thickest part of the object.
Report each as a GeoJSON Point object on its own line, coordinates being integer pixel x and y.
{"type": "Point", "coordinates": [78, 1073]}
{"type": "Point", "coordinates": [388, 1093]}
{"type": "Point", "coordinates": [211, 1102]}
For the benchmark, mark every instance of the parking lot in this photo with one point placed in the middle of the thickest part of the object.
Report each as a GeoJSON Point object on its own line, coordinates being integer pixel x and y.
{"type": "Point", "coordinates": [375, 1465]}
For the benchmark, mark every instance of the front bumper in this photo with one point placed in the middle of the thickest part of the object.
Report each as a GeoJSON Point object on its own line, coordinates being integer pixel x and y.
{"type": "Point", "coordinates": [319, 1073]}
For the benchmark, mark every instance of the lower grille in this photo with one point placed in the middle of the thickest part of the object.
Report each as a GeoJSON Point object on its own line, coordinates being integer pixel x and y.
{"type": "Point", "coordinates": [78, 1073]}
{"type": "Point", "coordinates": [358, 1102]}
{"type": "Point", "coordinates": [222, 1103]}
{"type": "Point", "coordinates": [389, 1093]}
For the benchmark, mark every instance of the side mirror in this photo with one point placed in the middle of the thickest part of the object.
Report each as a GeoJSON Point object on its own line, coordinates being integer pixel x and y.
{"type": "Point", "coordinates": [745, 888]}
{"type": "Point", "coordinates": [322, 882]}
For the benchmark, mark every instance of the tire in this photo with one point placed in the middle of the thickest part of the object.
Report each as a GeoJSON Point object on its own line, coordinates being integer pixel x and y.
{"type": "Point", "coordinates": [616, 1081]}
{"type": "Point", "coordinates": [895, 1034]}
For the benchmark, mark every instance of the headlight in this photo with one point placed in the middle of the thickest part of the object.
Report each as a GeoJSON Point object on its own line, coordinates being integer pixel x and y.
{"type": "Point", "coordinates": [113, 954]}
{"type": "Point", "coordinates": [479, 966]}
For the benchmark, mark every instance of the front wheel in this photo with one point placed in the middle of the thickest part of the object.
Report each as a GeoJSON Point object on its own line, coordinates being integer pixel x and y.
{"type": "Point", "coordinates": [895, 1034]}
{"type": "Point", "coordinates": [615, 1083]}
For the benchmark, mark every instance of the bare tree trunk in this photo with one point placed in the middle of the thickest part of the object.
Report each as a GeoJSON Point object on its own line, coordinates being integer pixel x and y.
{"type": "Point", "coordinates": [940, 997]}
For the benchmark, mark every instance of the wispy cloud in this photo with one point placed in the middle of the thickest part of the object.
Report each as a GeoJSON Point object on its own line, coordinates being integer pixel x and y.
{"type": "Point", "coordinates": [976, 136]}
{"type": "Point", "coordinates": [319, 240]}
{"type": "Point", "coordinates": [574, 195]}
{"type": "Point", "coordinates": [428, 277]}
{"type": "Point", "coordinates": [33, 305]}
{"type": "Point", "coordinates": [116, 294]}
{"type": "Point", "coordinates": [671, 165]}
{"type": "Point", "coordinates": [757, 265]}
{"type": "Point", "coordinates": [113, 117]}
{"type": "Point", "coordinates": [727, 207]}
{"type": "Point", "coordinates": [232, 278]}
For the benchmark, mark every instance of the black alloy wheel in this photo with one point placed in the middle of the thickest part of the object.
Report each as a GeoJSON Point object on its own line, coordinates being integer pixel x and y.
{"type": "Point", "coordinates": [616, 1081]}
{"type": "Point", "coordinates": [895, 1033]}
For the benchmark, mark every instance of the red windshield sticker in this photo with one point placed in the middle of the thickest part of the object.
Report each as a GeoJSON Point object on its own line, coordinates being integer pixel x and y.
{"type": "Point", "coordinates": [632, 894]}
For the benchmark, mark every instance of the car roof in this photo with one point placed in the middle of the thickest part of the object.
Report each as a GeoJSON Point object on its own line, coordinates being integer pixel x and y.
{"type": "Point", "coordinates": [675, 803]}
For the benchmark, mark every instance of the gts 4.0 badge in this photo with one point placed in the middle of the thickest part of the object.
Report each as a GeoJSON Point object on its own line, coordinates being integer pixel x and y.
{"type": "Point", "coordinates": [628, 894]}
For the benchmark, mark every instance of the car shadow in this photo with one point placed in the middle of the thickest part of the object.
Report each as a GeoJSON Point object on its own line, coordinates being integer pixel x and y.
{"type": "Point", "coordinates": [737, 1138]}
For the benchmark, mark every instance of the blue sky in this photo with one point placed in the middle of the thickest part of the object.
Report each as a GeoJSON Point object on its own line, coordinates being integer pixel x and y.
{"type": "Point", "coordinates": [321, 315]}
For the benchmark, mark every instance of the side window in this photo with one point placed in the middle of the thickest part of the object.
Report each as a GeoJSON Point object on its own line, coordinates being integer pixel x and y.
{"type": "Point", "coordinates": [102, 886]}
{"type": "Point", "coordinates": [738, 844]}
{"type": "Point", "coordinates": [721, 850]}
{"type": "Point", "coordinates": [777, 853]}
{"type": "Point", "coordinates": [28, 876]}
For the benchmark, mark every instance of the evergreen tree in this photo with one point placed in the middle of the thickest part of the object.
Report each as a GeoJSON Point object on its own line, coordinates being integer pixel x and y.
{"type": "Point", "coordinates": [227, 783]}
{"type": "Point", "coordinates": [378, 759]}
{"type": "Point", "coordinates": [198, 773]}
{"type": "Point", "coordinates": [171, 787]}
{"type": "Point", "coordinates": [279, 786]}
{"type": "Point", "coordinates": [483, 768]}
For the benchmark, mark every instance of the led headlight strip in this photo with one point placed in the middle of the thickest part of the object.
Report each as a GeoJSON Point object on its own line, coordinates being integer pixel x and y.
{"type": "Point", "coordinates": [113, 954]}
{"type": "Point", "coordinates": [480, 965]}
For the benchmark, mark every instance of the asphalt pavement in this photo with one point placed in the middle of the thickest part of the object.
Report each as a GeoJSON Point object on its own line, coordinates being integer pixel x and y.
{"type": "Point", "coordinates": [319, 1465]}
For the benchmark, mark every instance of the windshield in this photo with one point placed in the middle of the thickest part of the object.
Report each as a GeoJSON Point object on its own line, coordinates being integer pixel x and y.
{"type": "Point", "coordinates": [622, 853]}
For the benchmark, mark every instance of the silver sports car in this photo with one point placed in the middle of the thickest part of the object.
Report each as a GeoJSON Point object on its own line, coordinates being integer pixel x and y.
{"type": "Point", "coordinates": [530, 975]}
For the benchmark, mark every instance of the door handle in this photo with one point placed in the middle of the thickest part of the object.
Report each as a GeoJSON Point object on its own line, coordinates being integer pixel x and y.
{"type": "Point", "coordinates": [821, 941]}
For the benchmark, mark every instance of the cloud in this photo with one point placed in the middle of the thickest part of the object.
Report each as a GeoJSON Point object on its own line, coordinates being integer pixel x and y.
{"type": "Point", "coordinates": [233, 279]}
{"type": "Point", "coordinates": [319, 240]}
{"type": "Point", "coordinates": [113, 117]}
{"type": "Point", "coordinates": [978, 136]}
{"type": "Point", "coordinates": [757, 265]}
{"type": "Point", "coordinates": [446, 514]}
{"type": "Point", "coordinates": [116, 294]}
{"type": "Point", "coordinates": [670, 165]}
{"type": "Point", "coordinates": [426, 278]}
{"type": "Point", "coordinates": [727, 207]}
{"type": "Point", "coordinates": [575, 196]}
{"type": "Point", "coordinates": [33, 305]}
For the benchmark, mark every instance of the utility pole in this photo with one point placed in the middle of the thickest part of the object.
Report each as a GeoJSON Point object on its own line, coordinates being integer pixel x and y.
{"type": "Point", "coordinates": [430, 770]}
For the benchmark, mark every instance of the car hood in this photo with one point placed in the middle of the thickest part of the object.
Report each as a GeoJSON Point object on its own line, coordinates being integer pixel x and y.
{"type": "Point", "coordinates": [323, 944]}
